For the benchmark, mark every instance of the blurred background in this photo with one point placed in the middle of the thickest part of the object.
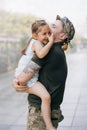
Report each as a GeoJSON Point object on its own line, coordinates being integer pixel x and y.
{"type": "Point", "coordinates": [16, 17]}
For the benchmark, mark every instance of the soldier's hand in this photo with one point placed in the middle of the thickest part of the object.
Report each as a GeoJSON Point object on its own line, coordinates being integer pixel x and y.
{"type": "Point", "coordinates": [19, 86]}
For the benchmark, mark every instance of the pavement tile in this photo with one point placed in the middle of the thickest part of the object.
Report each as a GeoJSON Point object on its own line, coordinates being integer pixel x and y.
{"type": "Point", "coordinates": [79, 128]}
{"type": "Point", "coordinates": [83, 100]}
{"type": "Point", "coordinates": [68, 109]}
{"type": "Point", "coordinates": [63, 128]}
{"type": "Point", "coordinates": [21, 120]}
{"type": "Point", "coordinates": [80, 121]}
{"type": "Point", "coordinates": [4, 127]}
{"type": "Point", "coordinates": [67, 122]}
{"type": "Point", "coordinates": [81, 113]}
{"type": "Point", "coordinates": [82, 107]}
{"type": "Point", "coordinates": [17, 127]}
{"type": "Point", "coordinates": [4, 119]}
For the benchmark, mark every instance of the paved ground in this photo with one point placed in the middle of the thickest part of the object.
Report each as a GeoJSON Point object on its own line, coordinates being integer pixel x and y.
{"type": "Point", "coordinates": [13, 105]}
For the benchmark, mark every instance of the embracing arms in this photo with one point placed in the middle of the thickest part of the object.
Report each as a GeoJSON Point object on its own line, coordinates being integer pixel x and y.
{"type": "Point", "coordinates": [28, 72]}
{"type": "Point", "coordinates": [19, 83]}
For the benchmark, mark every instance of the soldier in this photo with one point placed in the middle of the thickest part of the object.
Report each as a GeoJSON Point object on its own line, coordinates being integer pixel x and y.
{"type": "Point", "coordinates": [52, 74]}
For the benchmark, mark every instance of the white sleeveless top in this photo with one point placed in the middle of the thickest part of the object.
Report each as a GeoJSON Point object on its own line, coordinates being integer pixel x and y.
{"type": "Point", "coordinates": [25, 59]}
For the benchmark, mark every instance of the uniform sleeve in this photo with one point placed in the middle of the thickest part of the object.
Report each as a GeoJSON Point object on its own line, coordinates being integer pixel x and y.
{"type": "Point", "coordinates": [40, 62]}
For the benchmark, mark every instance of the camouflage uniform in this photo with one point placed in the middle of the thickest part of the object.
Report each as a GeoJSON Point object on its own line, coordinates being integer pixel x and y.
{"type": "Point", "coordinates": [35, 119]}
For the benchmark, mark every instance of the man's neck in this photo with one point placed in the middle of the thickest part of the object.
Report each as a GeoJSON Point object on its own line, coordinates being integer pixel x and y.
{"type": "Point", "coordinates": [57, 41]}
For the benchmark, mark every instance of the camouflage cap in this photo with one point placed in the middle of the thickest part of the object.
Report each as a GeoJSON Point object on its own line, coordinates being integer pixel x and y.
{"type": "Point", "coordinates": [68, 27]}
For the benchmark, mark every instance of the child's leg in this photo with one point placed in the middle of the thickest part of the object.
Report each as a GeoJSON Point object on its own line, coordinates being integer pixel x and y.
{"type": "Point", "coordinates": [39, 90]}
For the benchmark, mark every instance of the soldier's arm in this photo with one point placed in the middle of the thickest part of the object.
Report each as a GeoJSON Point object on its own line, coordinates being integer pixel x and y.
{"type": "Point", "coordinates": [28, 72]}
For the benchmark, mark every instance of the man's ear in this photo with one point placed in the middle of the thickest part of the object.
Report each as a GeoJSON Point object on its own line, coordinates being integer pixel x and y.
{"type": "Point", "coordinates": [63, 36]}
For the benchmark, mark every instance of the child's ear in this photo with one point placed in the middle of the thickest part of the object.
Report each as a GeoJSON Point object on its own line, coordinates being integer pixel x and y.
{"type": "Point", "coordinates": [34, 35]}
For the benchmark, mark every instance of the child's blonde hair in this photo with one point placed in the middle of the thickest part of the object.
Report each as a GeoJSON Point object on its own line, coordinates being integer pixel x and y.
{"type": "Point", "coordinates": [35, 28]}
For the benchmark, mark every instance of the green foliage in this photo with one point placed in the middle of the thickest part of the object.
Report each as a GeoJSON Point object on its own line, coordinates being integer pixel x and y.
{"type": "Point", "coordinates": [15, 24]}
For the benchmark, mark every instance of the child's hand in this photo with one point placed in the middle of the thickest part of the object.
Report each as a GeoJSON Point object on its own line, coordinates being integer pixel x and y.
{"type": "Point", "coordinates": [51, 38]}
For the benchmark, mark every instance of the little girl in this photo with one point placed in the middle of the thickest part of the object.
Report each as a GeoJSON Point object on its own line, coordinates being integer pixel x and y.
{"type": "Point", "coordinates": [40, 44]}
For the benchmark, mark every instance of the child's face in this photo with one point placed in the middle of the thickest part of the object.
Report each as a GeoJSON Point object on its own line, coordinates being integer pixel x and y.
{"type": "Point", "coordinates": [43, 34]}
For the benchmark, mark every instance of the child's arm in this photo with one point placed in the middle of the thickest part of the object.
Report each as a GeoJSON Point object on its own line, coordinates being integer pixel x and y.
{"type": "Point", "coordinates": [41, 51]}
